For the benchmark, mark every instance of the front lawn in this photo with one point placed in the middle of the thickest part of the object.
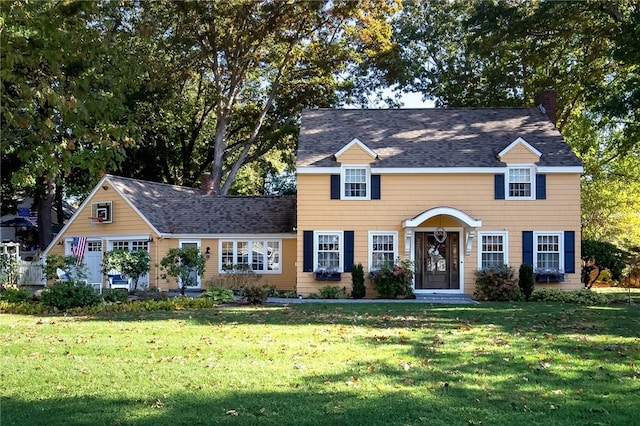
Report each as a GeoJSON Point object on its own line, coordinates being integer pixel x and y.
{"type": "Point", "coordinates": [325, 364]}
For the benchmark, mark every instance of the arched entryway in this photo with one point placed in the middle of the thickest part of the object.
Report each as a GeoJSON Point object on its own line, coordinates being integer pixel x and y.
{"type": "Point", "coordinates": [437, 240]}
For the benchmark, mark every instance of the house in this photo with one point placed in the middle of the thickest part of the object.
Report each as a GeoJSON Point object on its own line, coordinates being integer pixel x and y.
{"type": "Point", "coordinates": [452, 190]}
{"type": "Point", "coordinates": [130, 214]}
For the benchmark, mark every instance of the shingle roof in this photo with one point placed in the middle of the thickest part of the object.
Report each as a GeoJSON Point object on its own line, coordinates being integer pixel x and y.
{"type": "Point", "coordinates": [453, 137]}
{"type": "Point", "coordinates": [180, 210]}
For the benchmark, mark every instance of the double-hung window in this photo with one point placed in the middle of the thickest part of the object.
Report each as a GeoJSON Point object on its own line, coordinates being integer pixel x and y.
{"type": "Point", "coordinates": [355, 183]}
{"type": "Point", "coordinates": [492, 249]}
{"type": "Point", "coordinates": [327, 251]}
{"type": "Point", "coordinates": [383, 248]}
{"type": "Point", "coordinates": [262, 256]}
{"type": "Point", "coordinates": [520, 183]}
{"type": "Point", "coordinates": [548, 249]}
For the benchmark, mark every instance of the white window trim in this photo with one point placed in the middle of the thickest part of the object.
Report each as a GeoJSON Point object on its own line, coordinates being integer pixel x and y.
{"type": "Point", "coordinates": [532, 170]}
{"type": "Point", "coordinates": [343, 181]}
{"type": "Point", "coordinates": [505, 245]}
{"type": "Point", "coordinates": [394, 234]}
{"type": "Point", "coordinates": [340, 235]}
{"type": "Point", "coordinates": [250, 242]}
{"type": "Point", "coordinates": [560, 235]}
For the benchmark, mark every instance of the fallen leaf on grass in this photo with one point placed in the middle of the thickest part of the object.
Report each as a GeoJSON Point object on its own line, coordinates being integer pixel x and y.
{"type": "Point", "coordinates": [231, 413]}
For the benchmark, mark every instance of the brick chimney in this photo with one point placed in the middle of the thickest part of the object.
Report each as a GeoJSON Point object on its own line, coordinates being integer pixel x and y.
{"type": "Point", "coordinates": [547, 101]}
{"type": "Point", "coordinates": [206, 184]}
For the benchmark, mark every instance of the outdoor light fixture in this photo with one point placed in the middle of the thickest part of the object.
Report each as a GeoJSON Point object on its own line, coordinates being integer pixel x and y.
{"type": "Point", "coordinates": [105, 187]}
{"type": "Point", "coordinates": [150, 240]}
{"type": "Point", "coordinates": [207, 253]}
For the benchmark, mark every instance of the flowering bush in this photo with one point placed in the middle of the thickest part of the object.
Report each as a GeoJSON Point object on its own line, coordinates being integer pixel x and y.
{"type": "Point", "coordinates": [393, 280]}
{"type": "Point", "coordinates": [497, 283]}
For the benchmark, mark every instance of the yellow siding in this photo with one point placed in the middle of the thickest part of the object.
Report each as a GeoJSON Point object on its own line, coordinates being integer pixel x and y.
{"type": "Point", "coordinates": [355, 155]}
{"type": "Point", "coordinates": [127, 222]}
{"type": "Point", "coordinates": [406, 196]}
{"type": "Point", "coordinates": [519, 154]}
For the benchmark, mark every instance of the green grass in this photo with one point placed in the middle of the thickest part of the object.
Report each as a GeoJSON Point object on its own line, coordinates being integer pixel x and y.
{"type": "Point", "coordinates": [620, 294]}
{"type": "Point", "coordinates": [333, 364]}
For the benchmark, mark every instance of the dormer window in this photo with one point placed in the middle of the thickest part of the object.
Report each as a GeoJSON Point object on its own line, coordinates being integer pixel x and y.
{"type": "Point", "coordinates": [520, 182]}
{"type": "Point", "coordinates": [355, 183]}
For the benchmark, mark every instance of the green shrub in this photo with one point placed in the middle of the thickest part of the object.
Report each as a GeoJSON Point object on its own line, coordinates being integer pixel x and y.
{"type": "Point", "coordinates": [290, 294]}
{"type": "Point", "coordinates": [497, 283]}
{"type": "Point", "coordinates": [393, 280]}
{"type": "Point", "coordinates": [606, 256]}
{"type": "Point", "coordinates": [15, 294]}
{"type": "Point", "coordinates": [69, 294]}
{"type": "Point", "coordinates": [331, 292]}
{"type": "Point", "coordinates": [22, 308]}
{"type": "Point", "coordinates": [115, 295]}
{"type": "Point", "coordinates": [254, 294]}
{"type": "Point", "coordinates": [580, 297]}
{"type": "Point", "coordinates": [219, 295]}
{"type": "Point", "coordinates": [358, 289]}
{"type": "Point", "coordinates": [526, 280]}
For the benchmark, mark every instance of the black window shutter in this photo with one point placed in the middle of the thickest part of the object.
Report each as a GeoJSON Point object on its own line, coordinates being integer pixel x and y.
{"type": "Point", "coordinates": [335, 187]}
{"type": "Point", "coordinates": [307, 249]}
{"type": "Point", "coordinates": [499, 186]}
{"type": "Point", "coordinates": [348, 250]}
{"type": "Point", "coordinates": [527, 247]}
{"type": "Point", "coordinates": [541, 187]}
{"type": "Point", "coordinates": [570, 251]}
{"type": "Point", "coordinates": [375, 187]}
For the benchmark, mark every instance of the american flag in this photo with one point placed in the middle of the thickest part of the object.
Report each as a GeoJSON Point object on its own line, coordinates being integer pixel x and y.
{"type": "Point", "coordinates": [78, 247]}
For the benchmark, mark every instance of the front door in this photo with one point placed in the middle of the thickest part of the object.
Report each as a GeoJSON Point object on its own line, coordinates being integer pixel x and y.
{"type": "Point", "coordinates": [437, 260]}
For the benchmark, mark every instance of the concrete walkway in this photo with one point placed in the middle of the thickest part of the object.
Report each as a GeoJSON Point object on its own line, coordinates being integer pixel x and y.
{"type": "Point", "coordinates": [453, 299]}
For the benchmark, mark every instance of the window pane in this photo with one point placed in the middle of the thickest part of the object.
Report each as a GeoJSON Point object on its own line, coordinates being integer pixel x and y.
{"type": "Point", "coordinates": [328, 251]}
{"type": "Point", "coordinates": [355, 183]}
{"type": "Point", "coordinates": [548, 252]}
{"type": "Point", "coordinates": [242, 255]}
{"type": "Point", "coordinates": [520, 182]}
{"type": "Point", "coordinates": [257, 256]}
{"type": "Point", "coordinates": [492, 251]}
{"type": "Point", "coordinates": [382, 250]}
{"type": "Point", "coordinates": [273, 255]}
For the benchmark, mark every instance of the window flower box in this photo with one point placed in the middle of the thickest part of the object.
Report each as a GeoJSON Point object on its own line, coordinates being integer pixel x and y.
{"type": "Point", "coordinates": [549, 275]}
{"type": "Point", "coordinates": [328, 274]}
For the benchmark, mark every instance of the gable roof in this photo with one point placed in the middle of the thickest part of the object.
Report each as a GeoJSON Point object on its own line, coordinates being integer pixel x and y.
{"type": "Point", "coordinates": [434, 138]}
{"type": "Point", "coordinates": [172, 209]}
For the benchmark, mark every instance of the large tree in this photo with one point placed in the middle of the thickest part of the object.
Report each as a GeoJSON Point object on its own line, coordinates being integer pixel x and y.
{"type": "Point", "coordinates": [61, 109]}
{"type": "Point", "coordinates": [237, 73]}
{"type": "Point", "coordinates": [498, 53]}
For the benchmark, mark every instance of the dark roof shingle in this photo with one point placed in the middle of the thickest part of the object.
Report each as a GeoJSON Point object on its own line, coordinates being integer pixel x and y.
{"type": "Point", "coordinates": [180, 210]}
{"type": "Point", "coordinates": [453, 137]}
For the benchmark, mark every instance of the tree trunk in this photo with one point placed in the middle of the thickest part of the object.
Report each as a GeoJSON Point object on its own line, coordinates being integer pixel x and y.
{"type": "Point", "coordinates": [45, 204]}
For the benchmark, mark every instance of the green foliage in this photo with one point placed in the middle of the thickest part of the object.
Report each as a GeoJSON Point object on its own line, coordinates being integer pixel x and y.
{"type": "Point", "coordinates": [255, 294]}
{"type": "Point", "coordinates": [290, 294]}
{"type": "Point", "coordinates": [131, 264]}
{"type": "Point", "coordinates": [184, 264]}
{"type": "Point", "coordinates": [219, 295]}
{"type": "Point", "coordinates": [358, 289]}
{"type": "Point", "coordinates": [15, 294]}
{"type": "Point", "coordinates": [331, 292]}
{"type": "Point", "coordinates": [393, 280]}
{"type": "Point", "coordinates": [69, 294]}
{"type": "Point", "coordinates": [497, 283]}
{"type": "Point", "coordinates": [63, 114]}
{"type": "Point", "coordinates": [8, 270]}
{"type": "Point", "coordinates": [115, 295]}
{"type": "Point", "coordinates": [606, 255]}
{"type": "Point", "coordinates": [526, 280]}
{"type": "Point", "coordinates": [65, 263]}
{"type": "Point", "coordinates": [580, 297]}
